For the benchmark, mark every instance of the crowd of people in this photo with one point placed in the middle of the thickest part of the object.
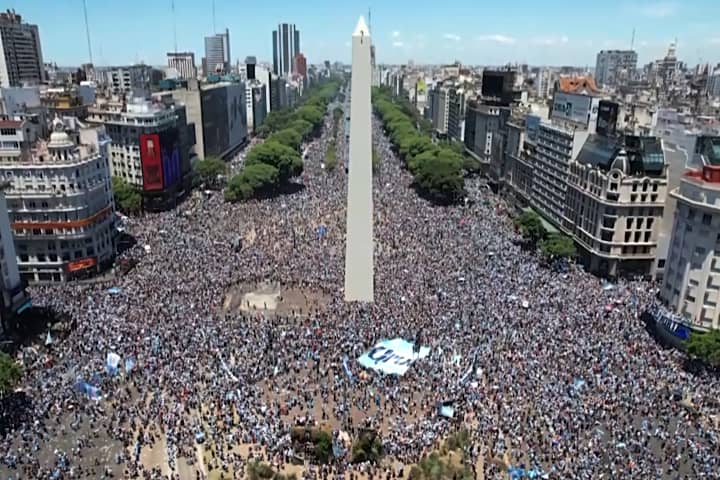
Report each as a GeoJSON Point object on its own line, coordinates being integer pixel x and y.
{"type": "Point", "coordinates": [563, 378]}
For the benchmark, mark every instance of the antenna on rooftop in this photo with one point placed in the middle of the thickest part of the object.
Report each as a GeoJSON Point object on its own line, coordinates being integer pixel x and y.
{"type": "Point", "coordinates": [369, 21]}
{"type": "Point", "coordinates": [632, 42]}
{"type": "Point", "coordinates": [213, 14]}
{"type": "Point", "coordinates": [172, 6]}
{"type": "Point", "coordinates": [87, 31]}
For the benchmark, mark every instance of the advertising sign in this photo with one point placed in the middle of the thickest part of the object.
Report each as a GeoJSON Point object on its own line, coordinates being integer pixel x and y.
{"type": "Point", "coordinates": [170, 152]}
{"type": "Point", "coordinates": [572, 107]}
{"type": "Point", "coordinates": [607, 118]}
{"type": "Point", "coordinates": [392, 357]}
{"type": "Point", "coordinates": [81, 264]}
{"type": "Point", "coordinates": [151, 161]}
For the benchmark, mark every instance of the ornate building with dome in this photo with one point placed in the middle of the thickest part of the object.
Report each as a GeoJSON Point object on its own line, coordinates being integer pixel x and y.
{"type": "Point", "coordinates": [59, 199]}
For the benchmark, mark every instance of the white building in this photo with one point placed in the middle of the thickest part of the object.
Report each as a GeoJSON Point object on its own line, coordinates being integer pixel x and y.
{"type": "Point", "coordinates": [14, 299]}
{"type": "Point", "coordinates": [183, 63]}
{"type": "Point", "coordinates": [124, 78]}
{"type": "Point", "coordinates": [217, 53]}
{"type": "Point", "coordinates": [615, 67]}
{"type": "Point", "coordinates": [60, 200]}
{"type": "Point", "coordinates": [21, 60]}
{"type": "Point", "coordinates": [691, 285]}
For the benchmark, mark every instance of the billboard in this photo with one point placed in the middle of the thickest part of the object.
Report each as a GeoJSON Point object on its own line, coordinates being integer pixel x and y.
{"type": "Point", "coordinates": [151, 161]}
{"type": "Point", "coordinates": [572, 107]}
{"type": "Point", "coordinates": [498, 84]}
{"type": "Point", "coordinates": [81, 264]}
{"type": "Point", "coordinates": [607, 118]}
{"type": "Point", "coordinates": [170, 154]}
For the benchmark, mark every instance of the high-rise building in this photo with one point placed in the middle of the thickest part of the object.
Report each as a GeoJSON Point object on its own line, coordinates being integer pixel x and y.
{"type": "Point", "coordinates": [614, 67]}
{"type": "Point", "coordinates": [217, 53]}
{"type": "Point", "coordinates": [183, 63]}
{"type": "Point", "coordinates": [456, 113]}
{"type": "Point", "coordinates": [691, 284]}
{"type": "Point", "coordinates": [286, 45]}
{"type": "Point", "coordinates": [300, 67]}
{"type": "Point", "coordinates": [126, 79]}
{"type": "Point", "coordinates": [21, 60]}
{"type": "Point", "coordinates": [150, 149]}
{"type": "Point", "coordinates": [60, 201]}
{"type": "Point", "coordinates": [250, 64]}
{"type": "Point", "coordinates": [217, 112]}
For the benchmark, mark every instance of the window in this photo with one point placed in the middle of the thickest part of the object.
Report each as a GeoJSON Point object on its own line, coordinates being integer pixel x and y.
{"type": "Point", "coordinates": [661, 263]}
{"type": "Point", "coordinates": [647, 236]}
{"type": "Point", "coordinates": [691, 213]}
{"type": "Point", "coordinates": [706, 219]}
{"type": "Point", "coordinates": [41, 257]}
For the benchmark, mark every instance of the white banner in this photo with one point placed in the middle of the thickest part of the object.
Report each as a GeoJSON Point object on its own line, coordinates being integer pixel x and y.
{"type": "Point", "coordinates": [393, 357]}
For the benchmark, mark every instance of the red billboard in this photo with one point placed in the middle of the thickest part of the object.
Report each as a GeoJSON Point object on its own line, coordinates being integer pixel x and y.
{"type": "Point", "coordinates": [151, 160]}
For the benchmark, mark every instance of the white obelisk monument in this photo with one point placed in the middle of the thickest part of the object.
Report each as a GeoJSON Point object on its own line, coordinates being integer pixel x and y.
{"type": "Point", "coordinates": [359, 238]}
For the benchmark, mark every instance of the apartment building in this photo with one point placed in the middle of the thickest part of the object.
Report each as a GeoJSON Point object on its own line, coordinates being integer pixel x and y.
{"type": "Point", "coordinates": [59, 199]}
{"type": "Point", "coordinates": [21, 60]}
{"type": "Point", "coordinates": [691, 284]}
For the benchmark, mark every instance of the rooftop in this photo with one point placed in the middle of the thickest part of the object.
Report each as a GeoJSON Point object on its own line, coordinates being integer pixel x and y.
{"type": "Point", "coordinates": [632, 154]}
{"type": "Point", "coordinates": [580, 84]}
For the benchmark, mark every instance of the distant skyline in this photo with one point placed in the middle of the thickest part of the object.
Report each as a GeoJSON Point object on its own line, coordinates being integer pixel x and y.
{"type": "Point", "coordinates": [493, 33]}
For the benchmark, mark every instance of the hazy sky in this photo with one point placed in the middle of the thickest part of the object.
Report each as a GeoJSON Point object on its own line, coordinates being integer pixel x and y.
{"type": "Point", "coordinates": [472, 31]}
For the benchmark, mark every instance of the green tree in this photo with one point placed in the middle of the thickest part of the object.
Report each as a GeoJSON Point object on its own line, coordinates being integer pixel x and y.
{"type": "Point", "coordinates": [705, 346]}
{"type": "Point", "coordinates": [337, 113]}
{"type": "Point", "coordinates": [289, 137]}
{"type": "Point", "coordinates": [331, 156]}
{"type": "Point", "coordinates": [284, 158]}
{"type": "Point", "coordinates": [531, 227]}
{"type": "Point", "coordinates": [322, 445]}
{"type": "Point", "coordinates": [209, 170]}
{"type": "Point", "coordinates": [255, 180]}
{"type": "Point", "coordinates": [10, 373]}
{"type": "Point", "coordinates": [312, 114]}
{"type": "Point", "coordinates": [303, 127]}
{"type": "Point", "coordinates": [128, 199]}
{"type": "Point", "coordinates": [441, 179]}
{"type": "Point", "coordinates": [367, 447]}
{"type": "Point", "coordinates": [558, 246]}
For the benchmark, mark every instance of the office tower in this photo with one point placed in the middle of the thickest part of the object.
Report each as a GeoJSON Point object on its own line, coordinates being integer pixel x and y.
{"type": "Point", "coordinates": [183, 63]}
{"type": "Point", "coordinates": [615, 67]}
{"type": "Point", "coordinates": [217, 53]}
{"type": "Point", "coordinates": [286, 45]}
{"type": "Point", "coordinates": [21, 60]}
{"type": "Point", "coordinates": [300, 66]}
{"type": "Point", "coordinates": [359, 260]}
{"type": "Point", "coordinates": [250, 63]}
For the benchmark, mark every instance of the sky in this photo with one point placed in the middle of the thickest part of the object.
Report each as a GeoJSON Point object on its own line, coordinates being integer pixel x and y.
{"type": "Point", "coordinates": [475, 32]}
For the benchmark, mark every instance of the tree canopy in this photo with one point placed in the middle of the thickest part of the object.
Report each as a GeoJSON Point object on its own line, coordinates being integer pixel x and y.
{"type": "Point", "coordinates": [557, 246]}
{"type": "Point", "coordinates": [437, 170]}
{"type": "Point", "coordinates": [10, 373]}
{"type": "Point", "coordinates": [705, 346]}
{"type": "Point", "coordinates": [289, 137]}
{"type": "Point", "coordinates": [531, 227]}
{"type": "Point", "coordinates": [209, 169]}
{"type": "Point", "coordinates": [128, 199]}
{"type": "Point", "coordinates": [285, 159]}
{"type": "Point", "coordinates": [256, 180]}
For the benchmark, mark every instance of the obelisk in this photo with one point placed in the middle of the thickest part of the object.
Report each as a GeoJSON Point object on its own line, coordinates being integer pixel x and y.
{"type": "Point", "coordinates": [359, 260]}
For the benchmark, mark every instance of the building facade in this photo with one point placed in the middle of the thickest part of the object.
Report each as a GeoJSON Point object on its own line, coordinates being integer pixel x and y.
{"type": "Point", "coordinates": [21, 60]}
{"type": "Point", "coordinates": [183, 63]}
{"type": "Point", "coordinates": [217, 53]}
{"type": "Point", "coordinates": [456, 113]}
{"type": "Point", "coordinates": [59, 201]}
{"type": "Point", "coordinates": [136, 129]}
{"type": "Point", "coordinates": [286, 46]}
{"type": "Point", "coordinates": [14, 298]}
{"type": "Point", "coordinates": [615, 67]}
{"type": "Point", "coordinates": [691, 284]}
{"type": "Point", "coordinates": [125, 79]}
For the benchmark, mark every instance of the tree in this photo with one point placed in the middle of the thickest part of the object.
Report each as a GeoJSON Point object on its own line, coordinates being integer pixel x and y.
{"type": "Point", "coordinates": [322, 442]}
{"type": "Point", "coordinates": [312, 114]}
{"type": "Point", "coordinates": [289, 137]}
{"type": "Point", "coordinates": [284, 158]}
{"type": "Point", "coordinates": [10, 373]}
{"type": "Point", "coordinates": [531, 227]}
{"type": "Point", "coordinates": [253, 181]}
{"type": "Point", "coordinates": [209, 170]}
{"type": "Point", "coordinates": [558, 246]}
{"type": "Point", "coordinates": [331, 157]}
{"type": "Point", "coordinates": [441, 179]}
{"type": "Point", "coordinates": [367, 447]}
{"type": "Point", "coordinates": [303, 127]}
{"type": "Point", "coordinates": [705, 346]}
{"type": "Point", "coordinates": [337, 114]}
{"type": "Point", "coordinates": [127, 198]}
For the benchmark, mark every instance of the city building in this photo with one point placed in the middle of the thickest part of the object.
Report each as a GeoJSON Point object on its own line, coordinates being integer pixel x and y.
{"type": "Point", "coordinates": [150, 149]}
{"type": "Point", "coordinates": [19, 100]}
{"type": "Point", "coordinates": [217, 53]}
{"type": "Point", "coordinates": [665, 70]}
{"type": "Point", "coordinates": [127, 79]}
{"type": "Point", "coordinates": [286, 46]}
{"type": "Point", "coordinates": [183, 63]}
{"type": "Point", "coordinates": [14, 298]}
{"type": "Point", "coordinates": [456, 113]}
{"type": "Point", "coordinates": [68, 101]}
{"type": "Point", "coordinates": [484, 125]}
{"type": "Point", "coordinates": [691, 284]}
{"type": "Point", "coordinates": [59, 199]}
{"type": "Point", "coordinates": [300, 66]}
{"type": "Point", "coordinates": [255, 104]}
{"type": "Point", "coordinates": [615, 197]}
{"type": "Point", "coordinates": [21, 60]}
{"type": "Point", "coordinates": [438, 107]}
{"type": "Point", "coordinates": [615, 67]}
{"type": "Point", "coordinates": [217, 111]}
{"type": "Point", "coordinates": [544, 82]}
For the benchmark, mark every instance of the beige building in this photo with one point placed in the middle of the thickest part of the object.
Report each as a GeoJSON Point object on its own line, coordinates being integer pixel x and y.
{"type": "Point", "coordinates": [616, 190]}
{"type": "Point", "coordinates": [691, 287]}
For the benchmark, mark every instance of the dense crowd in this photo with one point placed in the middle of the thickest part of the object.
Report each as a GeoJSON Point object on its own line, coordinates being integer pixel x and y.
{"type": "Point", "coordinates": [564, 378]}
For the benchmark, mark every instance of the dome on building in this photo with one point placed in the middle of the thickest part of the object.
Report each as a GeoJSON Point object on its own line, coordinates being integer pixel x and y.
{"type": "Point", "coordinates": [58, 137]}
